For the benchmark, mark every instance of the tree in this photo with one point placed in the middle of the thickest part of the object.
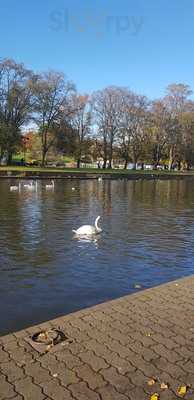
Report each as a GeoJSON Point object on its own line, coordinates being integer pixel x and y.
{"type": "Point", "coordinates": [176, 101]}
{"type": "Point", "coordinates": [107, 106]}
{"type": "Point", "coordinates": [16, 103]}
{"type": "Point", "coordinates": [81, 124]}
{"type": "Point", "coordinates": [160, 119]}
{"type": "Point", "coordinates": [134, 127]}
{"type": "Point", "coordinates": [52, 93]}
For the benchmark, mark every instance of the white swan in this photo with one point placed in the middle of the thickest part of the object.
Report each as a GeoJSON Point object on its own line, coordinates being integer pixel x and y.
{"type": "Point", "coordinates": [31, 186]}
{"type": "Point", "coordinates": [15, 188]}
{"type": "Point", "coordinates": [50, 186]}
{"type": "Point", "coordinates": [88, 230]}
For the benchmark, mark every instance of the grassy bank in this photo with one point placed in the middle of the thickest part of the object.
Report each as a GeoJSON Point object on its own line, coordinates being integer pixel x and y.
{"type": "Point", "coordinates": [46, 172]}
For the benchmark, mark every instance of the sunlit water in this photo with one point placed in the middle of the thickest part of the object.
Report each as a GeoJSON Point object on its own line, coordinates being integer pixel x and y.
{"type": "Point", "coordinates": [147, 239]}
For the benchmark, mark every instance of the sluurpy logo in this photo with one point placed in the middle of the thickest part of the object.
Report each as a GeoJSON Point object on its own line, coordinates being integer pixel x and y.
{"type": "Point", "coordinates": [63, 20]}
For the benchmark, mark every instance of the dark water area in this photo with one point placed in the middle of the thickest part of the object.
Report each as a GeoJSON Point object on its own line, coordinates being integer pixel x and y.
{"type": "Point", "coordinates": [147, 239]}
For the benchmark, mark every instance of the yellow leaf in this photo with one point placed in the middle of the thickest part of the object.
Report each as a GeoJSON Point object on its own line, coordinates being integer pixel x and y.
{"type": "Point", "coordinates": [151, 382]}
{"type": "Point", "coordinates": [154, 396]}
{"type": "Point", "coordinates": [182, 390]}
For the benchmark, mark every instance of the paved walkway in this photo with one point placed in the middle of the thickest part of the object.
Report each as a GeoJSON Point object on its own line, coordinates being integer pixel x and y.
{"type": "Point", "coordinates": [116, 349]}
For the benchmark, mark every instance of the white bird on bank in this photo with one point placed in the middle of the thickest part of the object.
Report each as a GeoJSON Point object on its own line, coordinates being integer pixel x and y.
{"type": "Point", "coordinates": [100, 179]}
{"type": "Point", "coordinates": [31, 186]}
{"type": "Point", "coordinates": [88, 230]}
{"type": "Point", "coordinates": [15, 188]}
{"type": "Point", "coordinates": [50, 186]}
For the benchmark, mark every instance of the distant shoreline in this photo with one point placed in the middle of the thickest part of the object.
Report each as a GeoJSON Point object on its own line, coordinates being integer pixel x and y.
{"type": "Point", "coordinates": [73, 173]}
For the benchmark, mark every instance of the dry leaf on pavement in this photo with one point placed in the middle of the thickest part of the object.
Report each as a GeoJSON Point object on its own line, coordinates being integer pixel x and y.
{"type": "Point", "coordinates": [182, 390]}
{"type": "Point", "coordinates": [154, 396]}
{"type": "Point", "coordinates": [151, 382]}
{"type": "Point", "coordinates": [164, 385]}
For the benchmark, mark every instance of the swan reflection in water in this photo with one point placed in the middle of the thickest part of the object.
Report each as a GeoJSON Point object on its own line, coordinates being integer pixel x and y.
{"type": "Point", "coordinates": [84, 240]}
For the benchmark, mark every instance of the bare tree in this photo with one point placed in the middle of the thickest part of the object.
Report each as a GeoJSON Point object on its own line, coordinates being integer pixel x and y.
{"type": "Point", "coordinates": [160, 119]}
{"type": "Point", "coordinates": [107, 110]}
{"type": "Point", "coordinates": [81, 123]}
{"type": "Point", "coordinates": [52, 99]}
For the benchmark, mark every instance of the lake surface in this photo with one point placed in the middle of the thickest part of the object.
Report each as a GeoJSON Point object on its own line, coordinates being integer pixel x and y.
{"type": "Point", "coordinates": [147, 239]}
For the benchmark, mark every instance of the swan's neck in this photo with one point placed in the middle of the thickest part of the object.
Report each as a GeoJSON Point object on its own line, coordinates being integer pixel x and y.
{"type": "Point", "coordinates": [96, 225]}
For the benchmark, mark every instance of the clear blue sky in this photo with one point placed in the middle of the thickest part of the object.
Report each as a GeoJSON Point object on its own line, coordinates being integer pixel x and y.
{"type": "Point", "coordinates": [143, 44]}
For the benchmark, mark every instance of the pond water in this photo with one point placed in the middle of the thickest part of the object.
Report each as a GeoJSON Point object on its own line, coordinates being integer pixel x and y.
{"type": "Point", "coordinates": [147, 239]}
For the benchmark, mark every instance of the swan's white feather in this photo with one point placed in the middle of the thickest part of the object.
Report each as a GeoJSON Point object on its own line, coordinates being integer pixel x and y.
{"type": "Point", "coordinates": [88, 230]}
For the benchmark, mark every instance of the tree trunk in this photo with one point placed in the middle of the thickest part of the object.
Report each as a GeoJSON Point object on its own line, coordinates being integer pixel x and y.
{"type": "Point", "coordinates": [78, 162]}
{"type": "Point", "coordinates": [110, 156]}
{"type": "Point", "coordinates": [104, 163]}
{"type": "Point", "coordinates": [126, 163]}
{"type": "Point", "coordinates": [170, 158]}
{"type": "Point", "coordinates": [9, 157]}
{"type": "Point", "coordinates": [44, 153]}
{"type": "Point", "coordinates": [179, 165]}
{"type": "Point", "coordinates": [1, 155]}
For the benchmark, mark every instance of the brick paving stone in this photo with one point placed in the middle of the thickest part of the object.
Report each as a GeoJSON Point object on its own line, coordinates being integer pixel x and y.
{"type": "Point", "coordinates": [20, 356]}
{"type": "Point", "coordinates": [122, 365]}
{"type": "Point", "coordinates": [137, 393]}
{"type": "Point", "coordinates": [80, 391]}
{"type": "Point", "coordinates": [28, 389]}
{"type": "Point", "coordinates": [120, 382]}
{"type": "Point", "coordinates": [109, 393]}
{"type": "Point", "coordinates": [68, 358]}
{"type": "Point", "coordinates": [95, 362]}
{"type": "Point", "coordinates": [6, 389]}
{"type": "Point", "coordinates": [92, 379]}
{"type": "Point", "coordinates": [38, 373]}
{"type": "Point", "coordinates": [7, 338]}
{"type": "Point", "coordinates": [171, 356]}
{"type": "Point", "coordinates": [55, 391]}
{"type": "Point", "coordinates": [67, 377]}
{"type": "Point", "coordinates": [116, 348]}
{"type": "Point", "coordinates": [12, 371]}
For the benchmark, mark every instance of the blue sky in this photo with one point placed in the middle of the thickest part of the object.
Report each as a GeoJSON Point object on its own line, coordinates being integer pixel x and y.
{"type": "Point", "coordinates": [144, 45]}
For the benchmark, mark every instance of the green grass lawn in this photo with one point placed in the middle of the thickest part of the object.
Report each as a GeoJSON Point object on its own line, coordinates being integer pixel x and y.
{"type": "Point", "coordinates": [87, 170]}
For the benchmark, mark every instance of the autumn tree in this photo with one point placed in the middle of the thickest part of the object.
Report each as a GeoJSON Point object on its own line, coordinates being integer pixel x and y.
{"type": "Point", "coordinates": [176, 101]}
{"type": "Point", "coordinates": [134, 127]}
{"type": "Point", "coordinates": [52, 93]}
{"type": "Point", "coordinates": [16, 104]}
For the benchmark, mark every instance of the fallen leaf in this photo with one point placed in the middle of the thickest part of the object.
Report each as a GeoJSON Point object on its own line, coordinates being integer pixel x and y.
{"type": "Point", "coordinates": [151, 382]}
{"type": "Point", "coordinates": [164, 385]}
{"type": "Point", "coordinates": [148, 334]}
{"type": "Point", "coordinates": [154, 396]}
{"type": "Point", "coordinates": [182, 390]}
